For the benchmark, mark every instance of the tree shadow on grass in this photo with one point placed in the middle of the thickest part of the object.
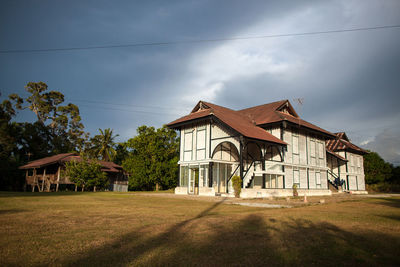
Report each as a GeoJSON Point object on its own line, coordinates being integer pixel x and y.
{"type": "Point", "coordinates": [11, 211]}
{"type": "Point", "coordinates": [6, 194]}
{"type": "Point", "coordinates": [251, 241]}
{"type": "Point", "coordinates": [390, 202]}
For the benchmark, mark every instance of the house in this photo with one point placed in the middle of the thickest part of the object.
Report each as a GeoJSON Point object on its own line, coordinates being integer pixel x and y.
{"type": "Point", "coordinates": [269, 146]}
{"type": "Point", "coordinates": [47, 172]}
{"type": "Point", "coordinates": [346, 162]}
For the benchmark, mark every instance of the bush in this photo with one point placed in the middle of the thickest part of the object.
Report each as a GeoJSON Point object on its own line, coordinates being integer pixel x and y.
{"type": "Point", "coordinates": [383, 187]}
{"type": "Point", "coordinates": [237, 185]}
{"type": "Point", "coordinates": [86, 173]}
{"type": "Point", "coordinates": [295, 193]}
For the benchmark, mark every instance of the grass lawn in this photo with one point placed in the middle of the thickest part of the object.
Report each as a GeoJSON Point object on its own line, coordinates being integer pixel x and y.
{"type": "Point", "coordinates": [111, 229]}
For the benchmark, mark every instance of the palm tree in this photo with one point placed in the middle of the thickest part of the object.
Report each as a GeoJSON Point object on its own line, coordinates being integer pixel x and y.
{"type": "Point", "coordinates": [103, 145]}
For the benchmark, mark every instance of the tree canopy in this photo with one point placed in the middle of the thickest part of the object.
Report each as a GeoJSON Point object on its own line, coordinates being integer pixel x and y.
{"type": "Point", "coordinates": [103, 145]}
{"type": "Point", "coordinates": [86, 173]}
{"type": "Point", "coordinates": [376, 169]}
{"type": "Point", "coordinates": [153, 159]}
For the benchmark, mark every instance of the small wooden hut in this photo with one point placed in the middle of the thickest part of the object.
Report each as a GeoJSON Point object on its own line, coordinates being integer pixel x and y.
{"type": "Point", "coordinates": [47, 172]}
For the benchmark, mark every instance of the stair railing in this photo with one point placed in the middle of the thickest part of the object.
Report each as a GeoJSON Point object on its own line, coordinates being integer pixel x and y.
{"type": "Point", "coordinates": [245, 183]}
{"type": "Point", "coordinates": [335, 180]}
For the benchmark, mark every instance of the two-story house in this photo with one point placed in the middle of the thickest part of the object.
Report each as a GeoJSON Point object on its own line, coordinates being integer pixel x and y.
{"type": "Point", "coordinates": [269, 146]}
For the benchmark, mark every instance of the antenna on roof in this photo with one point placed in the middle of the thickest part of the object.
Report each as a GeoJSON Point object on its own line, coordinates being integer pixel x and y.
{"type": "Point", "coordinates": [299, 102]}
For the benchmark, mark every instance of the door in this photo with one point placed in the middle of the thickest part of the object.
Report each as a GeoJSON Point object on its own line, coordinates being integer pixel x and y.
{"type": "Point", "coordinates": [194, 181]}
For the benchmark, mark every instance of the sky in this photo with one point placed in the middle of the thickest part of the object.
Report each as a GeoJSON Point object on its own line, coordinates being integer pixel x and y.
{"type": "Point", "coordinates": [348, 81]}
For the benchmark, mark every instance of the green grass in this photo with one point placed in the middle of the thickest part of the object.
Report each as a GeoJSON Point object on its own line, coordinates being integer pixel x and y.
{"type": "Point", "coordinates": [117, 229]}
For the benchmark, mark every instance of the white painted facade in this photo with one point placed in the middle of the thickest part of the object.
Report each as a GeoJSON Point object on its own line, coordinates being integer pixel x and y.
{"type": "Point", "coordinates": [206, 146]}
{"type": "Point", "coordinates": [351, 172]}
{"type": "Point", "coordinates": [211, 153]}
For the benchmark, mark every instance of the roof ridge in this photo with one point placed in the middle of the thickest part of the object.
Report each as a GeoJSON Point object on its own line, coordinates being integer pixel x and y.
{"type": "Point", "coordinates": [261, 105]}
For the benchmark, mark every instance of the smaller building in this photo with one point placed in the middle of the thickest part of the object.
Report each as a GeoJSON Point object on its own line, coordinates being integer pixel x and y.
{"type": "Point", "coordinates": [46, 174]}
{"type": "Point", "coordinates": [345, 163]}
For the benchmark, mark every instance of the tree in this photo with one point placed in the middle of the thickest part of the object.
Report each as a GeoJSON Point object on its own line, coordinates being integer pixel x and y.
{"type": "Point", "coordinates": [64, 122]}
{"type": "Point", "coordinates": [10, 177]}
{"type": "Point", "coordinates": [122, 153]}
{"type": "Point", "coordinates": [103, 145]}
{"type": "Point", "coordinates": [153, 159]}
{"type": "Point", "coordinates": [86, 173]}
{"type": "Point", "coordinates": [376, 169]}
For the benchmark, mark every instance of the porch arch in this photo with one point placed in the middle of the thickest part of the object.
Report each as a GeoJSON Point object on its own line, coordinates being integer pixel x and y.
{"type": "Point", "coordinates": [226, 151]}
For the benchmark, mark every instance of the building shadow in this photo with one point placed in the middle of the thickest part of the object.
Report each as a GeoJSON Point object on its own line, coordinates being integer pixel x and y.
{"type": "Point", "coordinates": [250, 241]}
{"type": "Point", "coordinates": [11, 211]}
{"type": "Point", "coordinates": [390, 202]}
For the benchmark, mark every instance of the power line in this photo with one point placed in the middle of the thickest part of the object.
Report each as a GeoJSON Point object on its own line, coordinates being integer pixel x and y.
{"type": "Point", "coordinates": [196, 41]}
{"type": "Point", "coordinates": [133, 111]}
{"type": "Point", "coordinates": [119, 104]}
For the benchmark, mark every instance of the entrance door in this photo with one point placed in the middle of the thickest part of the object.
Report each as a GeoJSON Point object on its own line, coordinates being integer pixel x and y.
{"type": "Point", "coordinates": [194, 181]}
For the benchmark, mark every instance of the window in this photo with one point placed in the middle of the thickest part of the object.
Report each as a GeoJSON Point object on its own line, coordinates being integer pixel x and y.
{"type": "Point", "coordinates": [296, 177]}
{"type": "Point", "coordinates": [295, 144]}
{"type": "Point", "coordinates": [312, 148]}
{"type": "Point", "coordinates": [184, 176]}
{"type": "Point", "coordinates": [318, 179]}
{"type": "Point", "coordinates": [321, 150]}
{"type": "Point", "coordinates": [204, 175]}
{"type": "Point", "coordinates": [188, 145]}
{"type": "Point", "coordinates": [201, 143]}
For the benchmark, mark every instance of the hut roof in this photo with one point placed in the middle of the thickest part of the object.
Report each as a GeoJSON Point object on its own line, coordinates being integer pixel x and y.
{"type": "Point", "coordinates": [66, 157]}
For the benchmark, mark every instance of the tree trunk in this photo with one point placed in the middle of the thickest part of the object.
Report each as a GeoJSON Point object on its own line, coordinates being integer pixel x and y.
{"type": "Point", "coordinates": [94, 189]}
{"type": "Point", "coordinates": [156, 186]}
{"type": "Point", "coordinates": [83, 188]}
{"type": "Point", "coordinates": [76, 188]}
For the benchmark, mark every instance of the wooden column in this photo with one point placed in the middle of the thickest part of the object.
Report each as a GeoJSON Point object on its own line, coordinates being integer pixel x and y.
{"type": "Point", "coordinates": [43, 177]}
{"type": "Point", "coordinates": [58, 178]}
{"type": "Point", "coordinates": [26, 180]}
{"type": "Point", "coordinates": [34, 180]}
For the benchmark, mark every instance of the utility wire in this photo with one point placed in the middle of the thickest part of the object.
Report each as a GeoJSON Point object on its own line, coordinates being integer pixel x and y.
{"type": "Point", "coordinates": [196, 41]}
{"type": "Point", "coordinates": [127, 105]}
{"type": "Point", "coordinates": [128, 110]}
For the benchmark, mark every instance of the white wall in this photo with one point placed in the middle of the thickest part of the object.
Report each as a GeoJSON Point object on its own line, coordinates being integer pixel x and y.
{"type": "Point", "coordinates": [195, 142]}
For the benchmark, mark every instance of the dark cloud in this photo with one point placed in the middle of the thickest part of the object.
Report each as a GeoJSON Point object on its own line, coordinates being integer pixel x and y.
{"type": "Point", "coordinates": [349, 81]}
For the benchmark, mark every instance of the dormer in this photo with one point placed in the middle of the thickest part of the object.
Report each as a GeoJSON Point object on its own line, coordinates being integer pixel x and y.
{"type": "Point", "coordinates": [287, 108]}
{"type": "Point", "coordinates": [200, 106]}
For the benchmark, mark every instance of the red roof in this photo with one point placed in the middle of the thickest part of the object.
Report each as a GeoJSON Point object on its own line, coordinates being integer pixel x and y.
{"type": "Point", "coordinates": [232, 118]}
{"type": "Point", "coordinates": [270, 113]}
{"type": "Point", "coordinates": [343, 143]}
{"type": "Point", "coordinates": [247, 121]}
{"type": "Point", "coordinates": [66, 157]}
{"type": "Point", "coordinates": [46, 161]}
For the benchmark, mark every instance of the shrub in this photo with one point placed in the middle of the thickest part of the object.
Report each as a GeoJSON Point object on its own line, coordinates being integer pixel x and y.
{"type": "Point", "coordinates": [295, 193]}
{"type": "Point", "coordinates": [237, 185]}
{"type": "Point", "coordinates": [86, 173]}
{"type": "Point", "coordinates": [383, 187]}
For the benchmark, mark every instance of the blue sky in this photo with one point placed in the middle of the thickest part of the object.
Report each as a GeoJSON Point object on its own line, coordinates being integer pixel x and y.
{"type": "Point", "coordinates": [349, 81]}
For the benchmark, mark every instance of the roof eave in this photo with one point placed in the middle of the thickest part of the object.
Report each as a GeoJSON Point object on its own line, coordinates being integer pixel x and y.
{"type": "Point", "coordinates": [177, 126]}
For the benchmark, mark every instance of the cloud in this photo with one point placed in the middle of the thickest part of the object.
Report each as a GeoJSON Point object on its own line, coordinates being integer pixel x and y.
{"type": "Point", "coordinates": [387, 144]}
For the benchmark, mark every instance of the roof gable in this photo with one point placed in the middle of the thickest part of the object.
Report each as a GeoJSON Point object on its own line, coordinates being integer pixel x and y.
{"type": "Point", "coordinates": [287, 108]}
{"type": "Point", "coordinates": [233, 119]}
{"type": "Point", "coordinates": [342, 143]}
{"type": "Point", "coordinates": [248, 121]}
{"type": "Point", "coordinates": [201, 105]}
